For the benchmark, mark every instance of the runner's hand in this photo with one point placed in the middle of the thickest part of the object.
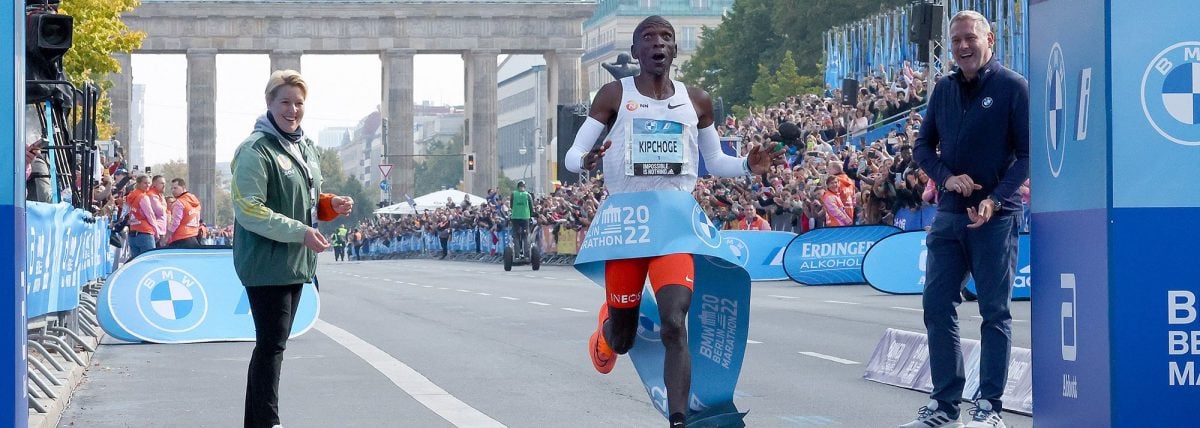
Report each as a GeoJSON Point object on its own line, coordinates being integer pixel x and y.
{"type": "Point", "coordinates": [761, 159]}
{"type": "Point", "coordinates": [591, 160]}
{"type": "Point", "coordinates": [314, 240]}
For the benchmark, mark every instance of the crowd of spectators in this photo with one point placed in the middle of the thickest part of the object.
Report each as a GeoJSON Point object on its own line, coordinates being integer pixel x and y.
{"type": "Point", "coordinates": [833, 176]}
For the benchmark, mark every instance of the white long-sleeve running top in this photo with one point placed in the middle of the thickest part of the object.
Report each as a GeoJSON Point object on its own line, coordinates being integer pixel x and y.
{"type": "Point", "coordinates": [655, 144]}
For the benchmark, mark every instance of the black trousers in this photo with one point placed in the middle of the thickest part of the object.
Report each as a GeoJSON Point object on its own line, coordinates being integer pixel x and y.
{"type": "Point", "coordinates": [274, 310]}
{"type": "Point", "coordinates": [189, 242]}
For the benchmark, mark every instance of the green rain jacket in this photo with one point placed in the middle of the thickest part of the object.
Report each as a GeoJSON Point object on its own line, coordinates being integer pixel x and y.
{"type": "Point", "coordinates": [274, 202]}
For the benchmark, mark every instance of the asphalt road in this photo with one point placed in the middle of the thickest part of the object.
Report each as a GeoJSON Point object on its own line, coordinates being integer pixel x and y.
{"type": "Point", "coordinates": [427, 343]}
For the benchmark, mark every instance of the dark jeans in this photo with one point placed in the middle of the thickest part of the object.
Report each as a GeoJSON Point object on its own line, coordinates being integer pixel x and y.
{"type": "Point", "coordinates": [339, 252]}
{"type": "Point", "coordinates": [139, 243]}
{"type": "Point", "coordinates": [274, 310]}
{"type": "Point", "coordinates": [189, 242]}
{"type": "Point", "coordinates": [445, 245]}
{"type": "Point", "coordinates": [989, 253]}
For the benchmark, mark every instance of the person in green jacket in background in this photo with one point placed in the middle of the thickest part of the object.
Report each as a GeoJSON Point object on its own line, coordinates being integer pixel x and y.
{"type": "Point", "coordinates": [522, 208]}
{"type": "Point", "coordinates": [277, 202]}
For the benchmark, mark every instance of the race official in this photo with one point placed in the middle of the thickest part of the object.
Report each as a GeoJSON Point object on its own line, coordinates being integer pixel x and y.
{"type": "Point", "coordinates": [975, 143]}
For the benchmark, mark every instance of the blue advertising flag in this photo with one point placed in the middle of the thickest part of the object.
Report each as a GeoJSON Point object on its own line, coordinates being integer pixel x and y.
{"type": "Point", "coordinates": [186, 296]}
{"type": "Point", "coordinates": [832, 255]}
{"type": "Point", "coordinates": [896, 265]}
{"type": "Point", "coordinates": [647, 224]}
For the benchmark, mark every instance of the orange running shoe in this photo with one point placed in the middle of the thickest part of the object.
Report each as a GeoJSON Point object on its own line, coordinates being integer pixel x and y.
{"type": "Point", "coordinates": [603, 357]}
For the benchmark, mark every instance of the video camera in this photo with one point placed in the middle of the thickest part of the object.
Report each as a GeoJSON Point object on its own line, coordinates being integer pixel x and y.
{"type": "Point", "coordinates": [788, 134]}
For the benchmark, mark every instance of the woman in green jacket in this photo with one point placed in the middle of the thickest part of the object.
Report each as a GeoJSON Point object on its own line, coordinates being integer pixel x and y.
{"type": "Point", "coordinates": [277, 202]}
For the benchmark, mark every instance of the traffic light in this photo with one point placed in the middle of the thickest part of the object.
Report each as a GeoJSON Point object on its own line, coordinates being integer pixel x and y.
{"type": "Point", "coordinates": [470, 162]}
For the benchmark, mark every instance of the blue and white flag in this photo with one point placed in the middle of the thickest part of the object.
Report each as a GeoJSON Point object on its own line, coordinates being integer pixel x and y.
{"type": "Point", "coordinates": [896, 265]}
{"type": "Point", "coordinates": [649, 224]}
{"type": "Point", "coordinates": [186, 296]}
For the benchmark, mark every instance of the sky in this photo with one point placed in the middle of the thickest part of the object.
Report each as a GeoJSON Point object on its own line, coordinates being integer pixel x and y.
{"type": "Point", "coordinates": [341, 90]}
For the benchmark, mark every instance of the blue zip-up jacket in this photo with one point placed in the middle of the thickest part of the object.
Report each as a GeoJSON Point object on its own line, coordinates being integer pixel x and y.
{"type": "Point", "coordinates": [982, 130]}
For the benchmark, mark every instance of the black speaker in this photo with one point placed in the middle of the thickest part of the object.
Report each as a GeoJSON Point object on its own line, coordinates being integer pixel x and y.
{"type": "Point", "coordinates": [849, 92]}
{"type": "Point", "coordinates": [568, 126]}
{"type": "Point", "coordinates": [918, 25]}
{"type": "Point", "coordinates": [936, 12]}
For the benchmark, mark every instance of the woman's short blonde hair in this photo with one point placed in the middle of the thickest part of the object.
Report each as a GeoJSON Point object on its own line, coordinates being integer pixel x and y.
{"type": "Point", "coordinates": [280, 78]}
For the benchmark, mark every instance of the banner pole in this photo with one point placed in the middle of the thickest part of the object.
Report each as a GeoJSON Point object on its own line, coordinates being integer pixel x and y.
{"type": "Point", "coordinates": [12, 215]}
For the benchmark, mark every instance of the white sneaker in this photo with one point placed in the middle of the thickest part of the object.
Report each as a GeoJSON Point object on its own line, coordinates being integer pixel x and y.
{"type": "Point", "coordinates": [930, 417]}
{"type": "Point", "coordinates": [983, 416]}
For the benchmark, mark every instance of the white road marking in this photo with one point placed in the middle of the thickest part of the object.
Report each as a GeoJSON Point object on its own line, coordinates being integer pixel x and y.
{"type": "Point", "coordinates": [484, 294]}
{"type": "Point", "coordinates": [412, 382]}
{"type": "Point", "coordinates": [907, 309]}
{"type": "Point", "coordinates": [782, 297]}
{"type": "Point", "coordinates": [463, 291]}
{"type": "Point", "coordinates": [574, 310]}
{"type": "Point", "coordinates": [509, 298]}
{"type": "Point", "coordinates": [426, 286]}
{"type": "Point", "coordinates": [442, 288]}
{"type": "Point", "coordinates": [551, 278]}
{"type": "Point", "coordinates": [539, 303]}
{"type": "Point", "coordinates": [976, 317]}
{"type": "Point", "coordinates": [752, 342]}
{"type": "Point", "coordinates": [829, 358]}
{"type": "Point", "coordinates": [842, 303]}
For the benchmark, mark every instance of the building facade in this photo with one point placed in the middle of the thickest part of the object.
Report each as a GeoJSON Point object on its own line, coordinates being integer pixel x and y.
{"type": "Point", "coordinates": [522, 141]}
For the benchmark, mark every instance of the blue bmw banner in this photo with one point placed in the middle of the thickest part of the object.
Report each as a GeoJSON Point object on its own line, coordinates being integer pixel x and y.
{"type": "Point", "coordinates": [186, 296]}
{"type": "Point", "coordinates": [759, 252]}
{"type": "Point", "coordinates": [648, 224]}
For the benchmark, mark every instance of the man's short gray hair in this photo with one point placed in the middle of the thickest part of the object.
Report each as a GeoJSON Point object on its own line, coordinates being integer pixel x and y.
{"type": "Point", "coordinates": [971, 15]}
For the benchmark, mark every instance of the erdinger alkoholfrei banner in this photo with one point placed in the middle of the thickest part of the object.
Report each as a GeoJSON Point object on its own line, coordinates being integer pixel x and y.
{"type": "Point", "coordinates": [832, 255]}
{"type": "Point", "coordinates": [759, 252]}
{"type": "Point", "coordinates": [896, 265]}
{"type": "Point", "coordinates": [647, 224]}
{"type": "Point", "coordinates": [186, 296]}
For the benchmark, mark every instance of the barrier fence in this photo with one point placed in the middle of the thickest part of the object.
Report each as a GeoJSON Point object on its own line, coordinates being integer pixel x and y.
{"type": "Point", "coordinates": [67, 258]}
{"type": "Point", "coordinates": [564, 242]}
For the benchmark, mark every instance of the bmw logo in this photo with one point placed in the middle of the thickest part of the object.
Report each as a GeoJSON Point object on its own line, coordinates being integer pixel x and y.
{"type": "Point", "coordinates": [987, 102]}
{"type": "Point", "coordinates": [171, 300]}
{"type": "Point", "coordinates": [704, 228]}
{"type": "Point", "coordinates": [1171, 93]}
{"type": "Point", "coordinates": [1056, 129]}
{"type": "Point", "coordinates": [739, 250]}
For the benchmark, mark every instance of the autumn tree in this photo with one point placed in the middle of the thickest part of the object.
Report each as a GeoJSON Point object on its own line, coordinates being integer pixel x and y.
{"type": "Point", "coordinates": [98, 33]}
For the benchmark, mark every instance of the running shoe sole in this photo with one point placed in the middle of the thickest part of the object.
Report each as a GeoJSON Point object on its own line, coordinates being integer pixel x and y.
{"type": "Point", "coordinates": [603, 364]}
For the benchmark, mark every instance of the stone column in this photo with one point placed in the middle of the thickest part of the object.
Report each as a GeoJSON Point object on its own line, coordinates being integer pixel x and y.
{"type": "Point", "coordinates": [201, 128]}
{"type": "Point", "coordinates": [121, 96]}
{"type": "Point", "coordinates": [565, 84]}
{"type": "Point", "coordinates": [570, 80]}
{"type": "Point", "coordinates": [285, 59]}
{"type": "Point", "coordinates": [398, 111]}
{"type": "Point", "coordinates": [481, 110]}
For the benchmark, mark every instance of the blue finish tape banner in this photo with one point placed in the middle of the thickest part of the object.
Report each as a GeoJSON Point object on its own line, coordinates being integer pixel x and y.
{"type": "Point", "coordinates": [831, 255]}
{"type": "Point", "coordinates": [186, 296]}
{"type": "Point", "coordinates": [63, 253]}
{"type": "Point", "coordinates": [759, 252]}
{"type": "Point", "coordinates": [647, 224]}
{"type": "Point", "coordinates": [896, 265]}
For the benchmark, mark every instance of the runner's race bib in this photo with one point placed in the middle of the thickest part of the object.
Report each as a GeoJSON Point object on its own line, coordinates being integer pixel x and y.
{"type": "Point", "coordinates": [655, 147]}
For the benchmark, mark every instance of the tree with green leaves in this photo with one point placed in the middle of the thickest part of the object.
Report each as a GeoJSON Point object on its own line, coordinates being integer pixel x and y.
{"type": "Point", "coordinates": [441, 172]}
{"type": "Point", "coordinates": [98, 33]}
{"type": "Point", "coordinates": [758, 32]}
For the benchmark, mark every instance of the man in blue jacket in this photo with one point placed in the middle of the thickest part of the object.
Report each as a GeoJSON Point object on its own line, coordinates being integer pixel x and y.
{"type": "Point", "coordinates": [975, 144]}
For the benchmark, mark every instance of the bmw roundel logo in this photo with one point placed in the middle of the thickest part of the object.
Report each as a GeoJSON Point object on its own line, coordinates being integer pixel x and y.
{"type": "Point", "coordinates": [1171, 93]}
{"type": "Point", "coordinates": [1056, 128]}
{"type": "Point", "coordinates": [739, 250]}
{"type": "Point", "coordinates": [987, 102]}
{"type": "Point", "coordinates": [704, 228]}
{"type": "Point", "coordinates": [171, 300]}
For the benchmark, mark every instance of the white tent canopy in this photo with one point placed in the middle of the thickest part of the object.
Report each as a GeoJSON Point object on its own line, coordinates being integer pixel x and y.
{"type": "Point", "coordinates": [431, 201]}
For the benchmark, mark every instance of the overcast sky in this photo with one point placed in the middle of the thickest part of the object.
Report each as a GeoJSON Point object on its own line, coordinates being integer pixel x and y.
{"type": "Point", "coordinates": [341, 90]}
